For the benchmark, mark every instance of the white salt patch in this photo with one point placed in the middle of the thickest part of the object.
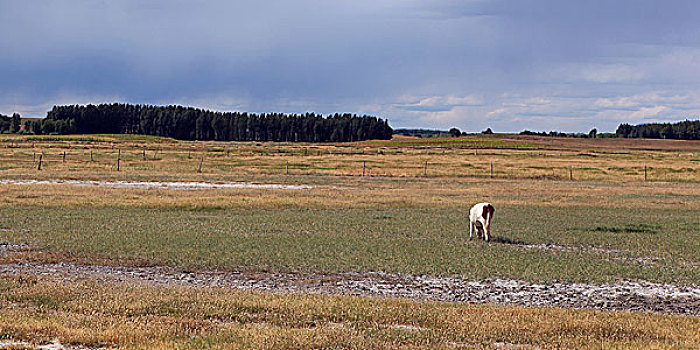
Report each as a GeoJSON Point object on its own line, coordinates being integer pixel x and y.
{"type": "Point", "coordinates": [55, 345]}
{"type": "Point", "coordinates": [409, 328]}
{"type": "Point", "coordinates": [158, 185]}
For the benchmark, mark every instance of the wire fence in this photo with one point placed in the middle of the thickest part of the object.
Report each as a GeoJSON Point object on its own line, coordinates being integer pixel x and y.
{"type": "Point", "coordinates": [297, 161]}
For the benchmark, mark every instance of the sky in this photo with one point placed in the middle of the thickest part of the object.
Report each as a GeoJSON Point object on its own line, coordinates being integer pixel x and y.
{"type": "Point", "coordinates": [540, 65]}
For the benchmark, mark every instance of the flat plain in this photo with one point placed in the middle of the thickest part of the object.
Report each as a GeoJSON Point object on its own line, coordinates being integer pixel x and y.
{"type": "Point", "coordinates": [601, 211]}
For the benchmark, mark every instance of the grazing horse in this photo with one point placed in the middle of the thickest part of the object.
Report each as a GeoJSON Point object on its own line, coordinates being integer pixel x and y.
{"type": "Point", "coordinates": [480, 216]}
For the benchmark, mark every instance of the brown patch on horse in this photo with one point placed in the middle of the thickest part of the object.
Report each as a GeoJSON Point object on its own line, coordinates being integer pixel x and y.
{"type": "Point", "coordinates": [488, 211]}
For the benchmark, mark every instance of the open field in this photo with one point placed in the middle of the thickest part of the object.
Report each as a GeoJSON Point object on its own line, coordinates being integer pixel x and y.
{"type": "Point", "coordinates": [513, 157]}
{"type": "Point", "coordinates": [607, 227]}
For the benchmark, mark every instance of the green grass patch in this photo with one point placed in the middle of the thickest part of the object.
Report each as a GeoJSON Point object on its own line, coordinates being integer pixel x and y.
{"type": "Point", "coordinates": [638, 228]}
{"type": "Point", "coordinates": [66, 138]}
{"type": "Point", "coordinates": [98, 138]}
{"type": "Point", "coordinates": [679, 170]}
{"type": "Point", "coordinates": [399, 240]}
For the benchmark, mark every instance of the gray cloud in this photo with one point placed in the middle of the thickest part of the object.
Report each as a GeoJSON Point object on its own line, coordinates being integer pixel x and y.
{"type": "Point", "coordinates": [409, 61]}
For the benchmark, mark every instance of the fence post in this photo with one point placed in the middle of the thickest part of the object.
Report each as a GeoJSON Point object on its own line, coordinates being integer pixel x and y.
{"type": "Point", "coordinates": [364, 164]}
{"type": "Point", "coordinates": [425, 169]}
{"type": "Point", "coordinates": [91, 155]}
{"type": "Point", "coordinates": [119, 157]}
{"type": "Point", "coordinates": [571, 173]}
{"type": "Point", "coordinates": [40, 157]}
{"type": "Point", "coordinates": [33, 157]}
{"type": "Point", "coordinates": [144, 155]}
{"type": "Point", "coordinates": [201, 160]}
{"type": "Point", "coordinates": [645, 173]}
{"type": "Point", "coordinates": [491, 174]}
{"type": "Point", "coordinates": [286, 168]}
{"type": "Point", "coordinates": [64, 156]}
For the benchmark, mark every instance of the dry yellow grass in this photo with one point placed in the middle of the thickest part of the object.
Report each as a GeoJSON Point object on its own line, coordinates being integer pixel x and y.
{"type": "Point", "coordinates": [356, 192]}
{"type": "Point", "coordinates": [149, 317]}
{"type": "Point", "coordinates": [513, 157]}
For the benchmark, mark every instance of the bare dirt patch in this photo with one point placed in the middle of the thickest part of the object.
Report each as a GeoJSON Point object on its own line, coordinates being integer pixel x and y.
{"type": "Point", "coordinates": [638, 296]}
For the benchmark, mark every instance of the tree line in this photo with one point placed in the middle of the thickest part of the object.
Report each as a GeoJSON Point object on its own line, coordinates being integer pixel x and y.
{"type": "Point", "coordinates": [188, 123]}
{"type": "Point", "coordinates": [424, 132]}
{"type": "Point", "coordinates": [685, 130]}
{"type": "Point", "coordinates": [453, 132]}
{"type": "Point", "coordinates": [591, 134]}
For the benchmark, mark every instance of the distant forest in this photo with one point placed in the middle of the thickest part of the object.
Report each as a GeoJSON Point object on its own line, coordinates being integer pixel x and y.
{"type": "Point", "coordinates": [187, 123]}
{"type": "Point", "coordinates": [685, 130]}
{"type": "Point", "coordinates": [454, 132]}
{"type": "Point", "coordinates": [424, 133]}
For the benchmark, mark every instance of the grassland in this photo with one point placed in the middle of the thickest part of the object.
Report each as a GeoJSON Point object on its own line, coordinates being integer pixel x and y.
{"type": "Point", "coordinates": [512, 158]}
{"type": "Point", "coordinates": [606, 225]}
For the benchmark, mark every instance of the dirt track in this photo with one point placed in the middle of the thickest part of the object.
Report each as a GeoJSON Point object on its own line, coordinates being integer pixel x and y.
{"type": "Point", "coordinates": [626, 296]}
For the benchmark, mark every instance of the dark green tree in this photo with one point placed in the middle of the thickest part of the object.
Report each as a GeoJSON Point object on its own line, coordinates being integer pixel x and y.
{"type": "Point", "coordinates": [15, 123]}
{"type": "Point", "coordinates": [189, 123]}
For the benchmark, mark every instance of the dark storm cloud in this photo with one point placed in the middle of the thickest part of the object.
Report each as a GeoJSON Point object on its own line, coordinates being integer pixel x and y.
{"type": "Point", "coordinates": [185, 48]}
{"type": "Point", "coordinates": [470, 64]}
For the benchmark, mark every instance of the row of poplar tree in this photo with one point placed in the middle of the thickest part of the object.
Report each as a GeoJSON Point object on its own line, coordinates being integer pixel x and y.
{"type": "Point", "coordinates": [685, 130]}
{"type": "Point", "coordinates": [187, 123]}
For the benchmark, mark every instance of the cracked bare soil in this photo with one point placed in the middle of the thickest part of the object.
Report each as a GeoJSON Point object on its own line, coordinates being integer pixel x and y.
{"type": "Point", "coordinates": [625, 296]}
